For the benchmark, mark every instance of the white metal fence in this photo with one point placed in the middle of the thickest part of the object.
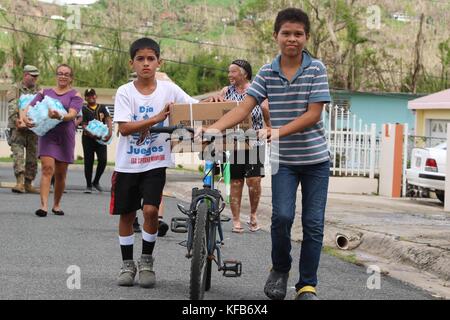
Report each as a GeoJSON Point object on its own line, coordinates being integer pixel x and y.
{"type": "Point", "coordinates": [354, 145]}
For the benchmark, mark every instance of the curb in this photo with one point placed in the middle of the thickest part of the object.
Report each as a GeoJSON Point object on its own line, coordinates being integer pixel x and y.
{"type": "Point", "coordinates": [425, 257]}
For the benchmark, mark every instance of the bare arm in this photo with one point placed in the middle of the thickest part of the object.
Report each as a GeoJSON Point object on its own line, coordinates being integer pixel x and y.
{"type": "Point", "coordinates": [236, 115]}
{"type": "Point", "coordinates": [109, 124]}
{"type": "Point", "coordinates": [70, 116]}
{"type": "Point", "coordinates": [127, 128]}
{"type": "Point", "coordinates": [307, 120]}
{"type": "Point", "coordinates": [266, 113]}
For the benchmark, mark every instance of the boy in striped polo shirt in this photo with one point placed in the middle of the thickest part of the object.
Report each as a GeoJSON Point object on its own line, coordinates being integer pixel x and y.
{"type": "Point", "coordinates": [296, 86]}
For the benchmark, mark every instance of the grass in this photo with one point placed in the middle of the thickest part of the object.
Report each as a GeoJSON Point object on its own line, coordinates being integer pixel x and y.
{"type": "Point", "coordinates": [342, 255]}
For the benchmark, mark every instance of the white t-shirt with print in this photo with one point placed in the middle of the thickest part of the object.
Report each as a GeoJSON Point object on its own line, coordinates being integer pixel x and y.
{"type": "Point", "coordinates": [130, 106]}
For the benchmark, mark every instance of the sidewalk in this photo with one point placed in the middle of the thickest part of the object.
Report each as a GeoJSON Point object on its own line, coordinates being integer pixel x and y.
{"type": "Point", "coordinates": [409, 239]}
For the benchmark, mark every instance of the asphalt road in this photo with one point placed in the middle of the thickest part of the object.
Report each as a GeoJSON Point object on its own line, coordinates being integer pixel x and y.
{"type": "Point", "coordinates": [39, 256]}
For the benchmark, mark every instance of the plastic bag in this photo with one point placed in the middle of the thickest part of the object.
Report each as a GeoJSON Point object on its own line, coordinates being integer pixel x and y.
{"type": "Point", "coordinates": [99, 129]}
{"type": "Point", "coordinates": [24, 100]}
{"type": "Point", "coordinates": [39, 115]}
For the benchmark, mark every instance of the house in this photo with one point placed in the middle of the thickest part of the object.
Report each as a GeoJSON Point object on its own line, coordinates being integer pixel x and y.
{"type": "Point", "coordinates": [432, 114]}
{"type": "Point", "coordinates": [377, 107]}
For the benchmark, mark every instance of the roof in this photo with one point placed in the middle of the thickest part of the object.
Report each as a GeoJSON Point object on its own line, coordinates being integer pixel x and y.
{"type": "Point", "coordinates": [398, 95]}
{"type": "Point", "coordinates": [439, 100]}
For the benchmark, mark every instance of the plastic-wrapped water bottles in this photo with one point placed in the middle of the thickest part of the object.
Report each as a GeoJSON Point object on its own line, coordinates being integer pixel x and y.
{"type": "Point", "coordinates": [24, 100]}
{"type": "Point", "coordinates": [99, 129]}
{"type": "Point", "coordinates": [39, 115]}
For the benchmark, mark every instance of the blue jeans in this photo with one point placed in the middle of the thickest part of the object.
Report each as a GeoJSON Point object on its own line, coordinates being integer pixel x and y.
{"type": "Point", "coordinates": [314, 182]}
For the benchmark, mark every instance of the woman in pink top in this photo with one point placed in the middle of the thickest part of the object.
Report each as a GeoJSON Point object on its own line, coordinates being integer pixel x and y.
{"type": "Point", "coordinates": [56, 147]}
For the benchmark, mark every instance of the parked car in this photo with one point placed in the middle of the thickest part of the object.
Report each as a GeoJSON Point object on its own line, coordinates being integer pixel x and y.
{"type": "Point", "coordinates": [427, 172]}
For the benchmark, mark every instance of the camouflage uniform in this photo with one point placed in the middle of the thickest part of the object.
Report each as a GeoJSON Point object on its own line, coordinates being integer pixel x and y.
{"type": "Point", "coordinates": [22, 141]}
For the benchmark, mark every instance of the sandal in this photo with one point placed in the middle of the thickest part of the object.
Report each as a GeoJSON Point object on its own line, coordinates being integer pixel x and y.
{"type": "Point", "coordinates": [253, 227]}
{"type": "Point", "coordinates": [41, 213]}
{"type": "Point", "coordinates": [58, 212]}
{"type": "Point", "coordinates": [237, 230]}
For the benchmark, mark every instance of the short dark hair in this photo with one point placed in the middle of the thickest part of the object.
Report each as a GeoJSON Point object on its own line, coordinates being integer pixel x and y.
{"type": "Point", "coordinates": [144, 43]}
{"type": "Point", "coordinates": [292, 15]}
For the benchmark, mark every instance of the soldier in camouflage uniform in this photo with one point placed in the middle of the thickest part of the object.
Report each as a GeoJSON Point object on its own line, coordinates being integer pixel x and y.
{"type": "Point", "coordinates": [22, 140]}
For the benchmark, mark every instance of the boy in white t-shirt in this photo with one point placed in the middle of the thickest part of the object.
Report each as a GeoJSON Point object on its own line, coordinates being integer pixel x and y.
{"type": "Point", "coordinates": [140, 171]}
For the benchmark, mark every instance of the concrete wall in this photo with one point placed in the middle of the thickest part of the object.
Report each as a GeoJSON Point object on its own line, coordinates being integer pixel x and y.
{"type": "Point", "coordinates": [382, 110]}
{"type": "Point", "coordinates": [379, 108]}
{"type": "Point", "coordinates": [422, 116]}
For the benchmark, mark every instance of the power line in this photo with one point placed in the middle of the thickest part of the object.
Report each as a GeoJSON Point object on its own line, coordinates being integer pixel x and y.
{"type": "Point", "coordinates": [106, 48]}
{"type": "Point", "coordinates": [142, 34]}
{"type": "Point", "coordinates": [168, 60]}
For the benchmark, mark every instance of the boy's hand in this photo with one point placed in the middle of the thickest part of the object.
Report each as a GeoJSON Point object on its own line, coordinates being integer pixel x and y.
{"type": "Point", "coordinates": [269, 134]}
{"type": "Point", "coordinates": [198, 134]}
{"type": "Point", "coordinates": [160, 117]}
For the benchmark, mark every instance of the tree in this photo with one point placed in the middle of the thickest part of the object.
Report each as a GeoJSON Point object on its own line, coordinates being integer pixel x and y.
{"type": "Point", "coordinates": [444, 57]}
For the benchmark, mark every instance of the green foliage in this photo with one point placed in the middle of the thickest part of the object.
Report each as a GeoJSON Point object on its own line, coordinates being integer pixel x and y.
{"type": "Point", "coordinates": [253, 7]}
{"type": "Point", "coordinates": [195, 79]}
{"type": "Point", "coordinates": [2, 58]}
{"type": "Point", "coordinates": [444, 55]}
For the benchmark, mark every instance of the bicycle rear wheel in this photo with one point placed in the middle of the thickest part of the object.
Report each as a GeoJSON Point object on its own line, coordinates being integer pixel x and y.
{"type": "Point", "coordinates": [199, 265]}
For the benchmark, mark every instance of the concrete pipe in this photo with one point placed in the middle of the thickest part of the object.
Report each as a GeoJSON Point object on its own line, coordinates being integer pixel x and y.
{"type": "Point", "coordinates": [347, 242]}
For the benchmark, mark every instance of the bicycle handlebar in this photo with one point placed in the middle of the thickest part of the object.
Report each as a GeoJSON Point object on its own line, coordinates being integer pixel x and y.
{"type": "Point", "coordinates": [170, 129]}
{"type": "Point", "coordinates": [208, 137]}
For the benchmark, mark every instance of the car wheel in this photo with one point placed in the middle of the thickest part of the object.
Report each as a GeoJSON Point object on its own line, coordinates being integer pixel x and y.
{"type": "Point", "coordinates": [440, 195]}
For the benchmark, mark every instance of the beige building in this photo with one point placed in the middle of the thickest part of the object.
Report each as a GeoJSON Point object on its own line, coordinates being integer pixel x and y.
{"type": "Point", "coordinates": [432, 114]}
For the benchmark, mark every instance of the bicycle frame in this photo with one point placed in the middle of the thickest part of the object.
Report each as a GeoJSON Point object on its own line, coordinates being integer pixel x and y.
{"type": "Point", "coordinates": [202, 242]}
{"type": "Point", "coordinates": [215, 207]}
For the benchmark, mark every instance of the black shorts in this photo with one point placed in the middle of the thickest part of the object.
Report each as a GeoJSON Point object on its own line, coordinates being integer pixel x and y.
{"type": "Point", "coordinates": [253, 165]}
{"type": "Point", "coordinates": [131, 191]}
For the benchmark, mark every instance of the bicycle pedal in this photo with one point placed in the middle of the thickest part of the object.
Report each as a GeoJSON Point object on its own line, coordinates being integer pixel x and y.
{"type": "Point", "coordinates": [179, 225]}
{"type": "Point", "coordinates": [232, 268]}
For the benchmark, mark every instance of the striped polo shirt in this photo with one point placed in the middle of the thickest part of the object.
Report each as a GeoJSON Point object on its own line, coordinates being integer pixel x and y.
{"type": "Point", "coordinates": [288, 100]}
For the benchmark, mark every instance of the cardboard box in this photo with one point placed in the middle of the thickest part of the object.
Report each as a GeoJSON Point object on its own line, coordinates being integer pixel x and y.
{"type": "Point", "coordinates": [203, 114]}
{"type": "Point", "coordinates": [206, 112]}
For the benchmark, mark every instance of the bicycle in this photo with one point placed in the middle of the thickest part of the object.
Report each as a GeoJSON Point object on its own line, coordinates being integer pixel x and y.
{"type": "Point", "coordinates": [203, 224]}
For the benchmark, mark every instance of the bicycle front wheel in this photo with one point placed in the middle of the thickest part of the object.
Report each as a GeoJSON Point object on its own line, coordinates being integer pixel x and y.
{"type": "Point", "coordinates": [199, 255]}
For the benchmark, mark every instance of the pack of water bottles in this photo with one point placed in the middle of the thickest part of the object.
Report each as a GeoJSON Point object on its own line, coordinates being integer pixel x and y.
{"type": "Point", "coordinates": [99, 129]}
{"type": "Point", "coordinates": [39, 115]}
{"type": "Point", "coordinates": [24, 100]}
